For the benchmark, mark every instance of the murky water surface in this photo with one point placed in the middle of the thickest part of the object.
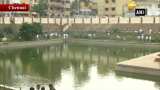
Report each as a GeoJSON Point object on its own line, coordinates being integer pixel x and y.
{"type": "Point", "coordinates": [73, 67]}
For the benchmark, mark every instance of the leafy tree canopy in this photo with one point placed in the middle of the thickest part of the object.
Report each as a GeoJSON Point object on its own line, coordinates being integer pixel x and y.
{"type": "Point", "coordinates": [29, 31]}
{"type": "Point", "coordinates": [40, 8]}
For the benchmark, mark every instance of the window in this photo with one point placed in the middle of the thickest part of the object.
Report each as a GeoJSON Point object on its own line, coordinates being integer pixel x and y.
{"type": "Point", "coordinates": [107, 1]}
{"type": "Point", "coordinates": [106, 15]}
{"type": "Point", "coordinates": [106, 9]}
{"type": "Point", "coordinates": [113, 8]}
{"type": "Point", "coordinates": [113, 1]}
{"type": "Point", "coordinates": [113, 15]}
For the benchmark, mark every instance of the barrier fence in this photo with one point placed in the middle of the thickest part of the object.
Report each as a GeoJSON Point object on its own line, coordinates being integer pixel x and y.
{"type": "Point", "coordinates": [89, 20]}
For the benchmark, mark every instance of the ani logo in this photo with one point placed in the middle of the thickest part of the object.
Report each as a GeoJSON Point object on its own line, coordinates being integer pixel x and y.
{"type": "Point", "coordinates": [140, 12]}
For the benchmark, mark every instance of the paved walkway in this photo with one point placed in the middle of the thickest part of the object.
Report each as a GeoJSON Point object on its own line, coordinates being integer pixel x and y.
{"type": "Point", "coordinates": [143, 65]}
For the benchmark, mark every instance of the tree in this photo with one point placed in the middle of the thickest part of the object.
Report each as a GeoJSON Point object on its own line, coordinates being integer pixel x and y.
{"type": "Point", "coordinates": [29, 31]}
{"type": "Point", "coordinates": [1, 34]}
{"type": "Point", "coordinates": [37, 27]}
{"type": "Point", "coordinates": [40, 8]}
{"type": "Point", "coordinates": [75, 6]}
{"type": "Point", "coordinates": [9, 31]}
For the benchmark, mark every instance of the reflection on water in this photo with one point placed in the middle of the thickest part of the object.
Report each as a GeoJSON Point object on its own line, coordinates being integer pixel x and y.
{"type": "Point", "coordinates": [72, 67]}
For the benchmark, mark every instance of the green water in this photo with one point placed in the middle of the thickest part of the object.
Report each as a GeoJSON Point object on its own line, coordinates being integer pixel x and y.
{"type": "Point", "coordinates": [72, 67]}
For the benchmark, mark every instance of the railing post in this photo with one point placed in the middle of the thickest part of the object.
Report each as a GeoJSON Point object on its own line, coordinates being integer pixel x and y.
{"type": "Point", "coordinates": [47, 20]}
{"type": "Point", "coordinates": [118, 20]}
{"type": "Point", "coordinates": [108, 20]}
{"type": "Point", "coordinates": [39, 19]}
{"type": "Point", "coordinates": [67, 20]}
{"type": "Point", "coordinates": [141, 20]}
{"type": "Point", "coordinates": [3, 20]}
{"type": "Point", "coordinates": [154, 20]}
{"type": "Point", "coordinates": [91, 20]}
{"type": "Point", "coordinates": [83, 20]}
{"type": "Point", "coordinates": [32, 19]}
{"type": "Point", "coordinates": [55, 21]}
{"type": "Point", "coordinates": [23, 19]}
{"type": "Point", "coordinates": [99, 20]}
{"type": "Point", "coordinates": [129, 20]}
{"type": "Point", "coordinates": [74, 20]}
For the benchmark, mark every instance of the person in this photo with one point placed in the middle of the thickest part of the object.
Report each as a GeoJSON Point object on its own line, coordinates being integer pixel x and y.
{"type": "Point", "coordinates": [38, 87]}
{"type": "Point", "coordinates": [43, 88]}
{"type": "Point", "coordinates": [51, 87]}
{"type": "Point", "coordinates": [31, 88]}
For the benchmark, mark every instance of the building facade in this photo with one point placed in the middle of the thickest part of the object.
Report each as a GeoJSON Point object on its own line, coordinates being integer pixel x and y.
{"type": "Point", "coordinates": [59, 8]}
{"type": "Point", "coordinates": [5, 1]}
{"type": "Point", "coordinates": [88, 8]}
{"type": "Point", "coordinates": [29, 1]}
{"type": "Point", "coordinates": [111, 8]}
{"type": "Point", "coordinates": [152, 6]}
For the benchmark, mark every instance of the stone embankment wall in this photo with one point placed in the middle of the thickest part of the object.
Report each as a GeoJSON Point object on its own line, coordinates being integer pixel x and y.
{"type": "Point", "coordinates": [89, 24]}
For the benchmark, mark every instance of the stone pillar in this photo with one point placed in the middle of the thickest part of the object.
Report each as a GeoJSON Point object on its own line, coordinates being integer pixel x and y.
{"type": "Point", "coordinates": [141, 20]}
{"type": "Point", "coordinates": [23, 19]}
{"type": "Point", "coordinates": [40, 19]}
{"type": "Point", "coordinates": [118, 20]}
{"type": "Point", "coordinates": [3, 19]}
{"type": "Point", "coordinates": [91, 20]}
{"type": "Point", "coordinates": [67, 20]}
{"type": "Point", "coordinates": [32, 19]}
{"type": "Point", "coordinates": [108, 20]}
{"type": "Point", "coordinates": [129, 20]}
{"type": "Point", "coordinates": [55, 20]}
{"type": "Point", "coordinates": [83, 20]}
{"type": "Point", "coordinates": [74, 20]}
{"type": "Point", "coordinates": [154, 20]}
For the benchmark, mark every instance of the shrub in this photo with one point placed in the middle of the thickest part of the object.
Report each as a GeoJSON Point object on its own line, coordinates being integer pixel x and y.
{"type": "Point", "coordinates": [115, 30]}
{"type": "Point", "coordinates": [9, 32]}
{"type": "Point", "coordinates": [29, 31]}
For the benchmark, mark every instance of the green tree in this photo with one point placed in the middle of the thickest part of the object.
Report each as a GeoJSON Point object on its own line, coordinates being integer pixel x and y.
{"type": "Point", "coordinates": [37, 27]}
{"type": "Point", "coordinates": [75, 7]}
{"type": "Point", "coordinates": [1, 34]}
{"type": "Point", "coordinates": [40, 8]}
{"type": "Point", "coordinates": [9, 31]}
{"type": "Point", "coordinates": [29, 31]}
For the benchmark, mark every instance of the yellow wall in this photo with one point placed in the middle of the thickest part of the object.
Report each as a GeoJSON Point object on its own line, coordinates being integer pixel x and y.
{"type": "Point", "coordinates": [100, 7]}
{"type": "Point", "coordinates": [25, 1]}
{"type": "Point", "coordinates": [120, 5]}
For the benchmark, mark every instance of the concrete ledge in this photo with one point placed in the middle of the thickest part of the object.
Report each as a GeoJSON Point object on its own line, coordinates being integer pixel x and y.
{"type": "Point", "coordinates": [8, 87]}
{"type": "Point", "coordinates": [143, 65]}
{"type": "Point", "coordinates": [138, 76]}
{"type": "Point", "coordinates": [27, 44]}
{"type": "Point", "coordinates": [99, 42]}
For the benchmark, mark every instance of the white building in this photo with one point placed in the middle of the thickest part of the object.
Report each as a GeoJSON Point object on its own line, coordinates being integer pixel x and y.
{"type": "Point", "coordinates": [14, 1]}
{"type": "Point", "coordinates": [152, 6]}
